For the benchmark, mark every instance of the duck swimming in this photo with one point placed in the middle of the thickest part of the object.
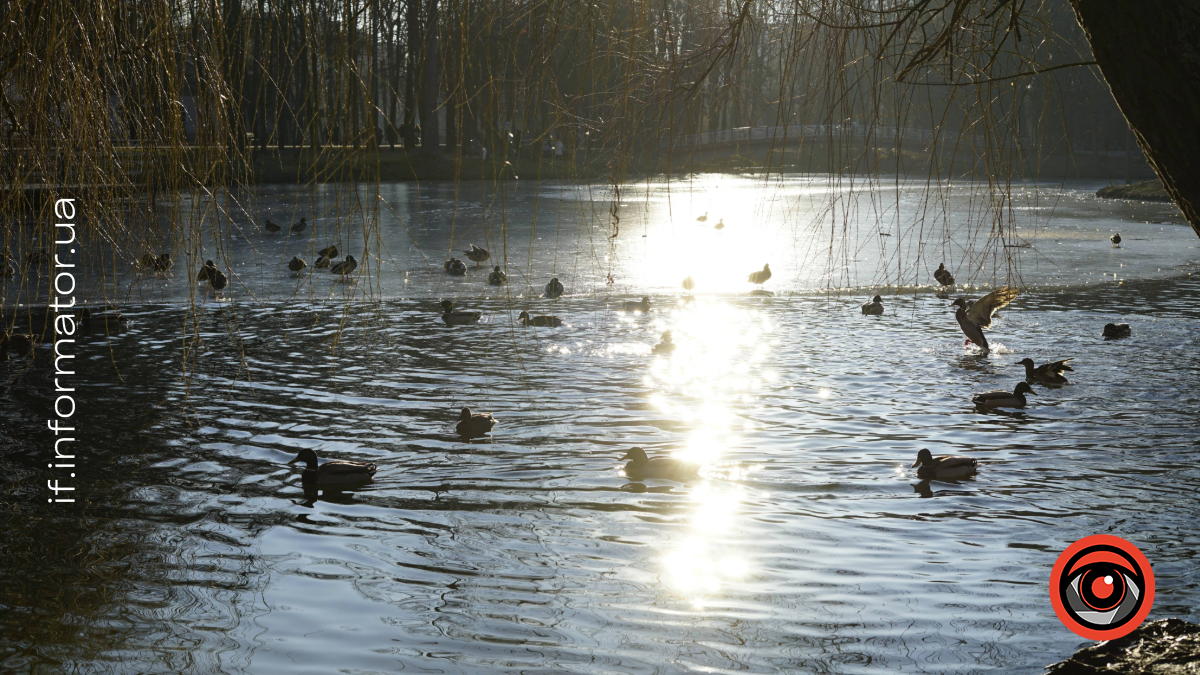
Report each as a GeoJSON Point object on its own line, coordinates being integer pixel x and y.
{"type": "Point", "coordinates": [474, 425]}
{"type": "Point", "coordinates": [666, 346]}
{"type": "Point", "coordinates": [873, 308]}
{"type": "Point", "coordinates": [1116, 331]}
{"type": "Point", "coordinates": [1051, 373]}
{"type": "Point", "coordinates": [554, 289]}
{"type": "Point", "coordinates": [945, 466]}
{"type": "Point", "coordinates": [635, 306]}
{"type": "Point", "coordinates": [458, 318]}
{"type": "Point", "coordinates": [456, 267]}
{"type": "Point", "coordinates": [703, 218]}
{"type": "Point", "coordinates": [720, 225]}
{"type": "Point", "coordinates": [497, 277]}
{"type": "Point", "coordinates": [539, 321]}
{"type": "Point", "coordinates": [640, 466]}
{"type": "Point", "coordinates": [333, 473]}
{"type": "Point", "coordinates": [1004, 399]}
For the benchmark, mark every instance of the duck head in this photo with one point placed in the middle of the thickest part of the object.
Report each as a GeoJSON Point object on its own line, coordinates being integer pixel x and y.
{"type": "Point", "coordinates": [350, 259]}
{"type": "Point", "coordinates": [645, 299]}
{"type": "Point", "coordinates": [497, 269]}
{"type": "Point", "coordinates": [447, 306]}
{"type": "Point", "coordinates": [877, 299]}
{"type": "Point", "coordinates": [636, 455]}
{"type": "Point", "coordinates": [1028, 363]}
{"type": "Point", "coordinates": [666, 336]}
{"type": "Point", "coordinates": [941, 266]}
{"type": "Point", "coordinates": [209, 264]}
{"type": "Point", "coordinates": [924, 457]}
{"type": "Point", "coordinates": [523, 317]}
{"type": "Point", "coordinates": [959, 302]}
{"type": "Point", "coordinates": [308, 457]}
{"type": "Point", "coordinates": [554, 280]}
{"type": "Point", "coordinates": [464, 415]}
{"type": "Point", "coordinates": [1023, 388]}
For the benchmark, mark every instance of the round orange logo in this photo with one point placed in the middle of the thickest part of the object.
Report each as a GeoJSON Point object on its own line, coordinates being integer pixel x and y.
{"type": "Point", "coordinates": [1102, 587]}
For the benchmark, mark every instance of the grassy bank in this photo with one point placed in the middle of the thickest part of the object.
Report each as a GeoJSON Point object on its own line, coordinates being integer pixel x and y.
{"type": "Point", "coordinates": [1146, 191]}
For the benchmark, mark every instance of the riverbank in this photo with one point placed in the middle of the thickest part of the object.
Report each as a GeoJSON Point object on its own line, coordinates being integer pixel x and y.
{"type": "Point", "coordinates": [1160, 647]}
{"type": "Point", "coordinates": [1145, 191]}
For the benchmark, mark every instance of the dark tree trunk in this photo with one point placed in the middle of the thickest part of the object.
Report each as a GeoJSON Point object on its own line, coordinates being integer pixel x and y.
{"type": "Point", "coordinates": [1149, 52]}
{"type": "Point", "coordinates": [412, 18]}
{"type": "Point", "coordinates": [429, 84]}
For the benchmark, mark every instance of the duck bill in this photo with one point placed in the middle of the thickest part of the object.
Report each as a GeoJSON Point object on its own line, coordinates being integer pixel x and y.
{"type": "Point", "coordinates": [297, 459]}
{"type": "Point", "coordinates": [915, 464]}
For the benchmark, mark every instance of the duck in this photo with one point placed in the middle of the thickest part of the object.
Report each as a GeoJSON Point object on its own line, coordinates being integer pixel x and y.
{"type": "Point", "coordinates": [688, 284]}
{"type": "Point", "coordinates": [554, 289]}
{"type": "Point", "coordinates": [539, 321]}
{"type": "Point", "coordinates": [206, 271]}
{"type": "Point", "coordinates": [944, 466]}
{"type": "Point", "coordinates": [163, 263]}
{"type": "Point", "coordinates": [456, 267]}
{"type": "Point", "coordinates": [297, 265]}
{"type": "Point", "coordinates": [322, 263]}
{"type": "Point", "coordinates": [636, 306]}
{"type": "Point", "coordinates": [146, 264]}
{"type": "Point", "coordinates": [666, 346]}
{"type": "Point", "coordinates": [1116, 331]}
{"type": "Point", "coordinates": [22, 343]}
{"type": "Point", "coordinates": [1004, 399]}
{"type": "Point", "coordinates": [474, 425]}
{"type": "Point", "coordinates": [333, 473]}
{"type": "Point", "coordinates": [458, 318]}
{"type": "Point", "coordinates": [330, 252]}
{"type": "Point", "coordinates": [477, 255]}
{"type": "Point", "coordinates": [720, 224]}
{"type": "Point", "coordinates": [703, 218]}
{"type": "Point", "coordinates": [345, 267]}
{"type": "Point", "coordinates": [1048, 372]}
{"type": "Point", "coordinates": [761, 276]}
{"type": "Point", "coordinates": [272, 227]}
{"type": "Point", "coordinates": [42, 257]}
{"type": "Point", "coordinates": [973, 317]}
{"type": "Point", "coordinates": [497, 277]}
{"type": "Point", "coordinates": [640, 466]}
{"type": "Point", "coordinates": [943, 276]}
{"type": "Point", "coordinates": [1116, 240]}
{"type": "Point", "coordinates": [217, 280]}
{"type": "Point", "coordinates": [874, 307]}
{"type": "Point", "coordinates": [299, 227]}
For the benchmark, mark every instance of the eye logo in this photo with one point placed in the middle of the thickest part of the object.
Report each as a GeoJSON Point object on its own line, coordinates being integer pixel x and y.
{"type": "Point", "coordinates": [1102, 587]}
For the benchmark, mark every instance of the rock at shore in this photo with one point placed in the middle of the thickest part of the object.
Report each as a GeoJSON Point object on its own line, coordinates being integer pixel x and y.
{"type": "Point", "coordinates": [1146, 191]}
{"type": "Point", "coordinates": [1166, 647]}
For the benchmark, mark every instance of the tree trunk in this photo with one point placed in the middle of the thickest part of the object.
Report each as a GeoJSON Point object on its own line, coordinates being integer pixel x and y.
{"type": "Point", "coordinates": [412, 20]}
{"type": "Point", "coordinates": [430, 140]}
{"type": "Point", "coordinates": [1149, 52]}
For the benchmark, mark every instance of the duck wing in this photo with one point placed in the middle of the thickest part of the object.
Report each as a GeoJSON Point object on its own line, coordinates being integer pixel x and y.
{"type": "Point", "coordinates": [981, 312]}
{"type": "Point", "coordinates": [954, 462]}
{"type": "Point", "coordinates": [347, 469]}
{"type": "Point", "coordinates": [991, 396]}
{"type": "Point", "coordinates": [1054, 368]}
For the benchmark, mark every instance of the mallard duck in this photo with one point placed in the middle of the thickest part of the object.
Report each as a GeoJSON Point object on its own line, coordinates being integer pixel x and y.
{"type": "Point", "coordinates": [299, 227]}
{"type": "Point", "coordinates": [272, 227]}
{"type": "Point", "coordinates": [638, 306]}
{"type": "Point", "coordinates": [703, 218]}
{"type": "Point", "coordinates": [640, 466]}
{"type": "Point", "coordinates": [666, 346]}
{"type": "Point", "coordinates": [1004, 399]}
{"type": "Point", "coordinates": [22, 343]}
{"type": "Point", "coordinates": [1116, 331]}
{"type": "Point", "coordinates": [943, 276]}
{"type": "Point", "coordinates": [477, 255]}
{"type": "Point", "coordinates": [539, 321]}
{"type": "Point", "coordinates": [761, 276]}
{"type": "Point", "coordinates": [1048, 372]}
{"type": "Point", "coordinates": [206, 271]}
{"type": "Point", "coordinates": [297, 265]}
{"type": "Point", "coordinates": [330, 252]}
{"type": "Point", "coordinates": [110, 317]}
{"type": "Point", "coordinates": [554, 289]}
{"type": "Point", "coordinates": [456, 267]}
{"type": "Point", "coordinates": [345, 267]}
{"type": "Point", "coordinates": [333, 473]}
{"type": "Point", "coordinates": [720, 224]}
{"type": "Point", "coordinates": [973, 317]}
{"type": "Point", "coordinates": [944, 467]}
{"type": "Point", "coordinates": [163, 263]}
{"type": "Point", "coordinates": [474, 425]}
{"type": "Point", "coordinates": [874, 307]}
{"type": "Point", "coordinates": [459, 318]}
{"type": "Point", "coordinates": [1116, 240]}
{"type": "Point", "coordinates": [217, 280]}
{"type": "Point", "coordinates": [688, 284]}
{"type": "Point", "coordinates": [497, 277]}
{"type": "Point", "coordinates": [322, 263]}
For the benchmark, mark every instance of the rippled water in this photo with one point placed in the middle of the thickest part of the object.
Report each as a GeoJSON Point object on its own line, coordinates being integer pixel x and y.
{"type": "Point", "coordinates": [806, 545]}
